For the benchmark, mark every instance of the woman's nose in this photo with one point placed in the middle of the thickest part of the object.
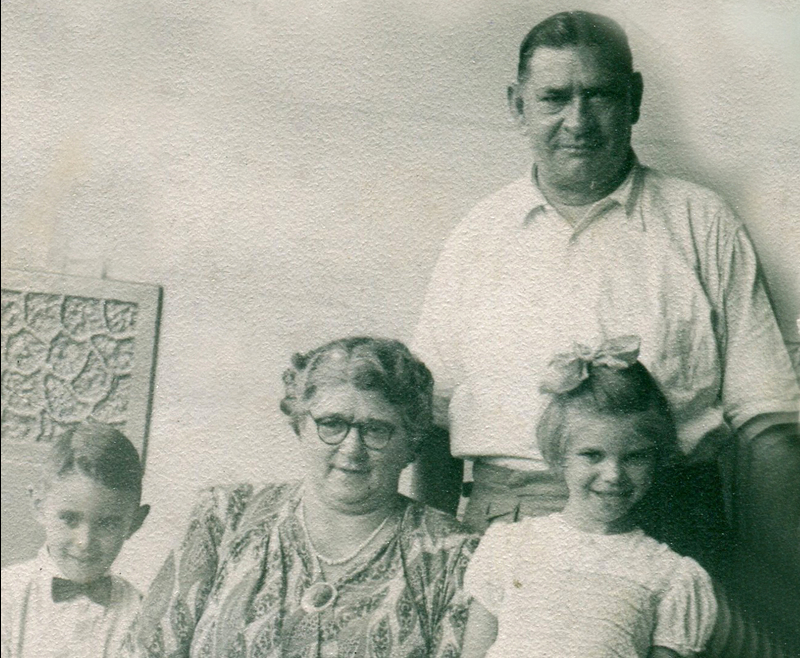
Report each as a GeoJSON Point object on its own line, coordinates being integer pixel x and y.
{"type": "Point", "coordinates": [352, 443]}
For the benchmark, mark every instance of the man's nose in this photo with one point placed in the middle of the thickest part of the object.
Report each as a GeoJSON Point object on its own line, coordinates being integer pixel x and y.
{"type": "Point", "coordinates": [577, 115]}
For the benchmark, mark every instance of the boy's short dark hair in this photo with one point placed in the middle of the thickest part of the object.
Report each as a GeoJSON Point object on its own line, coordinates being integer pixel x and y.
{"type": "Point", "coordinates": [100, 452]}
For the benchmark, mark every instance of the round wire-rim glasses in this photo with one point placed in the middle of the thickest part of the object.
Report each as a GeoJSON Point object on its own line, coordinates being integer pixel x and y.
{"type": "Point", "coordinates": [375, 434]}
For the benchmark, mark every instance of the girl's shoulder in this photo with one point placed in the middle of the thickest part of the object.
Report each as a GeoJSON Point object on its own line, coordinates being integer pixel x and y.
{"type": "Point", "coordinates": [668, 570]}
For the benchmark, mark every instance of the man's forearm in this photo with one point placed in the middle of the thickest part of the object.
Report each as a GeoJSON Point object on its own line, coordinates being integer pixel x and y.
{"type": "Point", "coordinates": [768, 491]}
{"type": "Point", "coordinates": [437, 475]}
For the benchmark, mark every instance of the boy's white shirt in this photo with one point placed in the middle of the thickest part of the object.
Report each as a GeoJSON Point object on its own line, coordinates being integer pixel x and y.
{"type": "Point", "coordinates": [33, 626]}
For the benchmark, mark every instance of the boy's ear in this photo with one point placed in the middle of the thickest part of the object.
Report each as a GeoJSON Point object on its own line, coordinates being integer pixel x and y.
{"type": "Point", "coordinates": [35, 499]}
{"type": "Point", "coordinates": [138, 519]}
{"type": "Point", "coordinates": [516, 104]}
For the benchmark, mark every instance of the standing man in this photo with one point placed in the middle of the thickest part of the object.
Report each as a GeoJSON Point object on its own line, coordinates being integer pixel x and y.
{"type": "Point", "coordinates": [589, 245]}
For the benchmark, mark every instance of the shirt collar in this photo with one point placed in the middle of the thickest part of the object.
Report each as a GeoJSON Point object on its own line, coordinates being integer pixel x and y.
{"type": "Point", "coordinates": [624, 196]}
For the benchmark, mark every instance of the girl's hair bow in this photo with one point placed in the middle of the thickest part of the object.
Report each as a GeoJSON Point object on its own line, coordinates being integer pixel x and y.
{"type": "Point", "coordinates": [566, 371]}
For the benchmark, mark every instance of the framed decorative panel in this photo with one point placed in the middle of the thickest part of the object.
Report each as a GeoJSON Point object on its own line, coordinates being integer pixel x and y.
{"type": "Point", "coordinates": [74, 348]}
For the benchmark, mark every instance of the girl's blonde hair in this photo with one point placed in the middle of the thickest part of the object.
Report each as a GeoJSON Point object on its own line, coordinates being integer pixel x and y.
{"type": "Point", "coordinates": [627, 392]}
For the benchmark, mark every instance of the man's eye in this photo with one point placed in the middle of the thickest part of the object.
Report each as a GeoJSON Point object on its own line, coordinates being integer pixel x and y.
{"type": "Point", "coordinates": [554, 99]}
{"type": "Point", "coordinates": [603, 95]}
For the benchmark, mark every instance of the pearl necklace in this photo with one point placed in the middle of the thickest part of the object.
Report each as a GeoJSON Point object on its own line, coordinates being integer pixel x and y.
{"type": "Point", "coordinates": [335, 562]}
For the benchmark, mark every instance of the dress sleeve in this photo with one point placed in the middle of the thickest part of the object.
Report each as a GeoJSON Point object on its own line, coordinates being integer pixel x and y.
{"type": "Point", "coordinates": [177, 597]}
{"type": "Point", "coordinates": [687, 611]}
{"type": "Point", "coordinates": [487, 571]}
{"type": "Point", "coordinates": [453, 607]}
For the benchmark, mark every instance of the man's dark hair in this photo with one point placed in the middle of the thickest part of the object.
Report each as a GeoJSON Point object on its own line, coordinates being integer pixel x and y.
{"type": "Point", "coordinates": [578, 28]}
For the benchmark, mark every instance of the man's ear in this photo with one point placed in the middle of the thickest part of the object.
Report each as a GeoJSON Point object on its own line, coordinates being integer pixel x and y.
{"type": "Point", "coordinates": [636, 92]}
{"type": "Point", "coordinates": [138, 519]}
{"type": "Point", "coordinates": [516, 104]}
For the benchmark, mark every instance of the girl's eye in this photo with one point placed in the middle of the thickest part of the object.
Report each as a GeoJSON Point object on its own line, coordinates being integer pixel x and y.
{"type": "Point", "coordinates": [639, 457]}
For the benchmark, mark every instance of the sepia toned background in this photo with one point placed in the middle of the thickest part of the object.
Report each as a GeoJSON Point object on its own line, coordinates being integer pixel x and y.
{"type": "Point", "coordinates": [288, 173]}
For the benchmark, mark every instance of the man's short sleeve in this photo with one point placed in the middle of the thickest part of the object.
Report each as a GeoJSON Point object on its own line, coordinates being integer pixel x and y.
{"type": "Point", "coordinates": [435, 336]}
{"type": "Point", "coordinates": [758, 377]}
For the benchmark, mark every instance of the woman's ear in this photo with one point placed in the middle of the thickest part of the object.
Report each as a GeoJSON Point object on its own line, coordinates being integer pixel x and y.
{"type": "Point", "coordinates": [415, 448]}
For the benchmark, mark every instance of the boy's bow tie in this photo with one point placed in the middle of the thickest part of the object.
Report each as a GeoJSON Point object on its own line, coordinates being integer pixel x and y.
{"type": "Point", "coordinates": [98, 590]}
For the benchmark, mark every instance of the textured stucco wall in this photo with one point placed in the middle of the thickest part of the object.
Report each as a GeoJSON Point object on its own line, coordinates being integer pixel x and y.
{"type": "Point", "coordinates": [288, 172]}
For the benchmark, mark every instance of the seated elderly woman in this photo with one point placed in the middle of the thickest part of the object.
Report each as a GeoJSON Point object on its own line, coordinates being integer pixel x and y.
{"type": "Point", "coordinates": [339, 564]}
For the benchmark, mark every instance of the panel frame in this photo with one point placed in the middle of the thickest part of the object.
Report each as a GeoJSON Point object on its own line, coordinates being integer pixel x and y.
{"type": "Point", "coordinates": [148, 298]}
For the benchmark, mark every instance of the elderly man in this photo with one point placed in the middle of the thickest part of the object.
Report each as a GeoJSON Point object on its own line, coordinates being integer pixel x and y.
{"type": "Point", "coordinates": [588, 245]}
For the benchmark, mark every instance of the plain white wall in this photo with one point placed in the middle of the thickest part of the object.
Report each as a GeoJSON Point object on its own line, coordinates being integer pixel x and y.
{"type": "Point", "coordinates": [289, 171]}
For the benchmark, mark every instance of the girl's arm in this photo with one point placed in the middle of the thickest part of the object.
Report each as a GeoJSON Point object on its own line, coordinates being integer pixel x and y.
{"type": "Point", "coordinates": [662, 652]}
{"type": "Point", "coordinates": [481, 632]}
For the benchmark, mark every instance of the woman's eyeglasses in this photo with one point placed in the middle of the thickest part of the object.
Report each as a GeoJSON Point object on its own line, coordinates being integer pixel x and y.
{"type": "Point", "coordinates": [375, 434]}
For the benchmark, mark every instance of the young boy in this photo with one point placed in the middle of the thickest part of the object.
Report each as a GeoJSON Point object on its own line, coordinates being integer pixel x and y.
{"type": "Point", "coordinates": [64, 603]}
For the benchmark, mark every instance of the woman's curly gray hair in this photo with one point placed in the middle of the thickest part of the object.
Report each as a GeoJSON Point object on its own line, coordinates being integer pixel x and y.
{"type": "Point", "coordinates": [370, 364]}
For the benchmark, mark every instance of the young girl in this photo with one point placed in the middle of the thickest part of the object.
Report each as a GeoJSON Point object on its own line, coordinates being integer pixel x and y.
{"type": "Point", "coordinates": [587, 583]}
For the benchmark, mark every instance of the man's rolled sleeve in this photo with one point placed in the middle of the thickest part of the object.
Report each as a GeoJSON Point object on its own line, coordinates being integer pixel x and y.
{"type": "Point", "coordinates": [435, 338]}
{"type": "Point", "coordinates": [758, 377]}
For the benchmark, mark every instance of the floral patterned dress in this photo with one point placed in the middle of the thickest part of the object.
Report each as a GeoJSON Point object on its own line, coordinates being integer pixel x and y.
{"type": "Point", "coordinates": [235, 585]}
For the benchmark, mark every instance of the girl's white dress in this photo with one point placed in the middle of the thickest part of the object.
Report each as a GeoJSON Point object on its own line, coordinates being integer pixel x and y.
{"type": "Point", "coordinates": [560, 592]}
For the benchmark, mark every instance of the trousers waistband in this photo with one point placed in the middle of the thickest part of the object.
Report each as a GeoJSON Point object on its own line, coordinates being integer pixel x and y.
{"type": "Point", "coordinates": [500, 476]}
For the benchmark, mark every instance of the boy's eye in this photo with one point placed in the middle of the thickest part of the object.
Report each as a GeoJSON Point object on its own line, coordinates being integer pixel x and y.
{"type": "Point", "coordinates": [109, 524]}
{"type": "Point", "coordinates": [71, 519]}
{"type": "Point", "coordinates": [592, 456]}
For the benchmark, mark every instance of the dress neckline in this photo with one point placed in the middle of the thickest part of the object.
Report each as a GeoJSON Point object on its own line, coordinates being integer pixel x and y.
{"type": "Point", "coordinates": [363, 560]}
